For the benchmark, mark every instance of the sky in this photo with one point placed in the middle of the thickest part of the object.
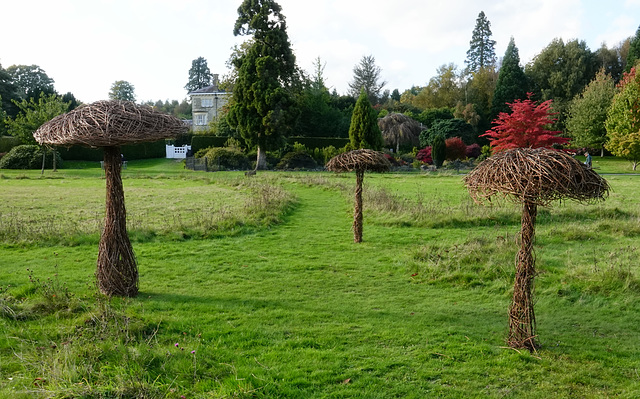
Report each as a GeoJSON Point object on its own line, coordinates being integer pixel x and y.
{"type": "Point", "coordinates": [87, 45]}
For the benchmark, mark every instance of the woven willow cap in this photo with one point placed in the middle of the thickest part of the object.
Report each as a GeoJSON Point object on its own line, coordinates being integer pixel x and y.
{"type": "Point", "coordinates": [109, 123]}
{"type": "Point", "coordinates": [359, 160]}
{"type": "Point", "coordinates": [535, 175]}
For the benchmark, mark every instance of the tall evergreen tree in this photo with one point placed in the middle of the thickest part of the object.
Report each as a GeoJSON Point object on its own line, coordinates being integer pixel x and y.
{"type": "Point", "coordinates": [364, 131]}
{"type": "Point", "coordinates": [366, 76]}
{"type": "Point", "coordinates": [262, 107]}
{"type": "Point", "coordinates": [512, 82]}
{"type": "Point", "coordinates": [481, 51]}
{"type": "Point", "coordinates": [199, 75]}
{"type": "Point", "coordinates": [588, 112]}
{"type": "Point", "coordinates": [634, 51]}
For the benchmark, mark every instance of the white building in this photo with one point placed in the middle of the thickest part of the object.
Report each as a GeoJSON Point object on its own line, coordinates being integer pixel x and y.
{"type": "Point", "coordinates": [206, 104]}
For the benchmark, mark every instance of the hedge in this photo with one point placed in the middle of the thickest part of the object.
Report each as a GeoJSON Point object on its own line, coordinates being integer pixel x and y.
{"type": "Point", "coordinates": [8, 142]}
{"type": "Point", "coordinates": [156, 149]}
{"type": "Point", "coordinates": [199, 142]}
{"type": "Point", "coordinates": [319, 142]}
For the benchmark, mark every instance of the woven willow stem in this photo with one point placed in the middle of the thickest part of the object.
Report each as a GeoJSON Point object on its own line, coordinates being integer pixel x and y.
{"type": "Point", "coordinates": [117, 272]}
{"type": "Point", "coordinates": [522, 319]}
{"type": "Point", "coordinates": [357, 211]}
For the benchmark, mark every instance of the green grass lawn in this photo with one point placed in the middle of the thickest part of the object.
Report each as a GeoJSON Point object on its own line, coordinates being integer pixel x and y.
{"type": "Point", "coordinates": [261, 279]}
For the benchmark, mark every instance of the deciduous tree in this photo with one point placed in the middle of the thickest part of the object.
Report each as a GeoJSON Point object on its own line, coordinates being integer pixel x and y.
{"type": "Point", "coordinates": [443, 90]}
{"type": "Point", "coordinates": [122, 90]}
{"type": "Point", "coordinates": [34, 114]}
{"type": "Point", "coordinates": [30, 81]}
{"type": "Point", "coordinates": [560, 72]}
{"type": "Point", "coordinates": [199, 75]}
{"type": "Point", "coordinates": [588, 112]}
{"type": "Point", "coordinates": [623, 120]}
{"type": "Point", "coordinates": [262, 107]}
{"type": "Point", "coordinates": [525, 127]}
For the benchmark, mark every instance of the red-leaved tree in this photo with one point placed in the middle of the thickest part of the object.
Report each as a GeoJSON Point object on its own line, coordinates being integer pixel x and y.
{"type": "Point", "coordinates": [456, 148]}
{"type": "Point", "coordinates": [525, 127]}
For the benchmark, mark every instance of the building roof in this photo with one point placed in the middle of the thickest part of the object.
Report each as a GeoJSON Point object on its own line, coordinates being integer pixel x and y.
{"type": "Point", "coordinates": [208, 90]}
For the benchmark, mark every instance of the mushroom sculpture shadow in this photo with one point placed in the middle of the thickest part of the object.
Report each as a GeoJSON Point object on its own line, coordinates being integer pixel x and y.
{"type": "Point", "coordinates": [359, 161]}
{"type": "Point", "coordinates": [531, 177]}
{"type": "Point", "coordinates": [110, 124]}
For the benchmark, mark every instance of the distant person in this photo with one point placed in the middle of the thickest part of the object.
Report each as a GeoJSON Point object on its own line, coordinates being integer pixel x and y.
{"type": "Point", "coordinates": [588, 159]}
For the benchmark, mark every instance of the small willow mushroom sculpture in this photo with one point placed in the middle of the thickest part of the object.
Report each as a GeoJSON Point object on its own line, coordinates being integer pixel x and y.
{"type": "Point", "coordinates": [531, 177]}
{"type": "Point", "coordinates": [110, 124]}
{"type": "Point", "coordinates": [359, 161]}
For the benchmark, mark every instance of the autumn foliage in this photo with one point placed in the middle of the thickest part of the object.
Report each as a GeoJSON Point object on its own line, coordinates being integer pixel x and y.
{"type": "Point", "coordinates": [525, 127]}
{"type": "Point", "coordinates": [456, 148]}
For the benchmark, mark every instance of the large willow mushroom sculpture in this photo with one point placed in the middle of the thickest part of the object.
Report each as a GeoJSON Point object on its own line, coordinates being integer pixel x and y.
{"type": "Point", "coordinates": [359, 161]}
{"type": "Point", "coordinates": [111, 124]}
{"type": "Point", "coordinates": [532, 177]}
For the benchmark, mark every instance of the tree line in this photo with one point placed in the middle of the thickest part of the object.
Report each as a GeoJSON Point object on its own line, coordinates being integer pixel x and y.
{"type": "Point", "coordinates": [272, 97]}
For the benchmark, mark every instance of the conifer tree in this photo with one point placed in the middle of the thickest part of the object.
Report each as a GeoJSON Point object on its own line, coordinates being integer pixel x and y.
{"type": "Point", "coordinates": [512, 82]}
{"type": "Point", "coordinates": [366, 76]}
{"type": "Point", "coordinates": [199, 75]}
{"type": "Point", "coordinates": [482, 51]}
{"type": "Point", "coordinates": [364, 131]}
{"type": "Point", "coordinates": [634, 51]}
{"type": "Point", "coordinates": [263, 108]}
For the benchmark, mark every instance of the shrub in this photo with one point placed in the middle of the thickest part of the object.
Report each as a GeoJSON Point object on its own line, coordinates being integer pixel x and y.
{"type": "Point", "coordinates": [297, 160]}
{"type": "Point", "coordinates": [225, 158]}
{"type": "Point", "coordinates": [448, 128]}
{"type": "Point", "coordinates": [455, 148]}
{"type": "Point", "coordinates": [424, 155]}
{"type": "Point", "coordinates": [486, 153]}
{"type": "Point", "coordinates": [392, 160]}
{"type": "Point", "coordinates": [28, 157]}
{"type": "Point", "coordinates": [473, 151]}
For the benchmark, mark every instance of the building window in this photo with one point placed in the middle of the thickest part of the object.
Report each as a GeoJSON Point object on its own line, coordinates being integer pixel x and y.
{"type": "Point", "coordinates": [206, 102]}
{"type": "Point", "coordinates": [200, 119]}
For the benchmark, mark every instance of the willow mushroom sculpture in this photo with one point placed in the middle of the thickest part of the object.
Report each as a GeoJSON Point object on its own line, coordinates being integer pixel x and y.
{"type": "Point", "coordinates": [111, 124]}
{"type": "Point", "coordinates": [532, 177]}
{"type": "Point", "coordinates": [359, 161]}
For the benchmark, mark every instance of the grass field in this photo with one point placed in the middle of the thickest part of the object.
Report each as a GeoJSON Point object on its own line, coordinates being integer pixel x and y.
{"type": "Point", "coordinates": [253, 287]}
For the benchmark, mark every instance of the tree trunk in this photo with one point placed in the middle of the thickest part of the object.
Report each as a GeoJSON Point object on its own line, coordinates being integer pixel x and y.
{"type": "Point", "coordinates": [522, 319]}
{"type": "Point", "coordinates": [357, 211]}
{"type": "Point", "coordinates": [44, 158]}
{"type": "Point", "coordinates": [117, 272]}
{"type": "Point", "coordinates": [602, 152]}
{"type": "Point", "coordinates": [261, 161]}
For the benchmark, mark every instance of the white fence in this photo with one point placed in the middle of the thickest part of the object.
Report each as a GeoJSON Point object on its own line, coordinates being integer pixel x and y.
{"type": "Point", "coordinates": [177, 152]}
